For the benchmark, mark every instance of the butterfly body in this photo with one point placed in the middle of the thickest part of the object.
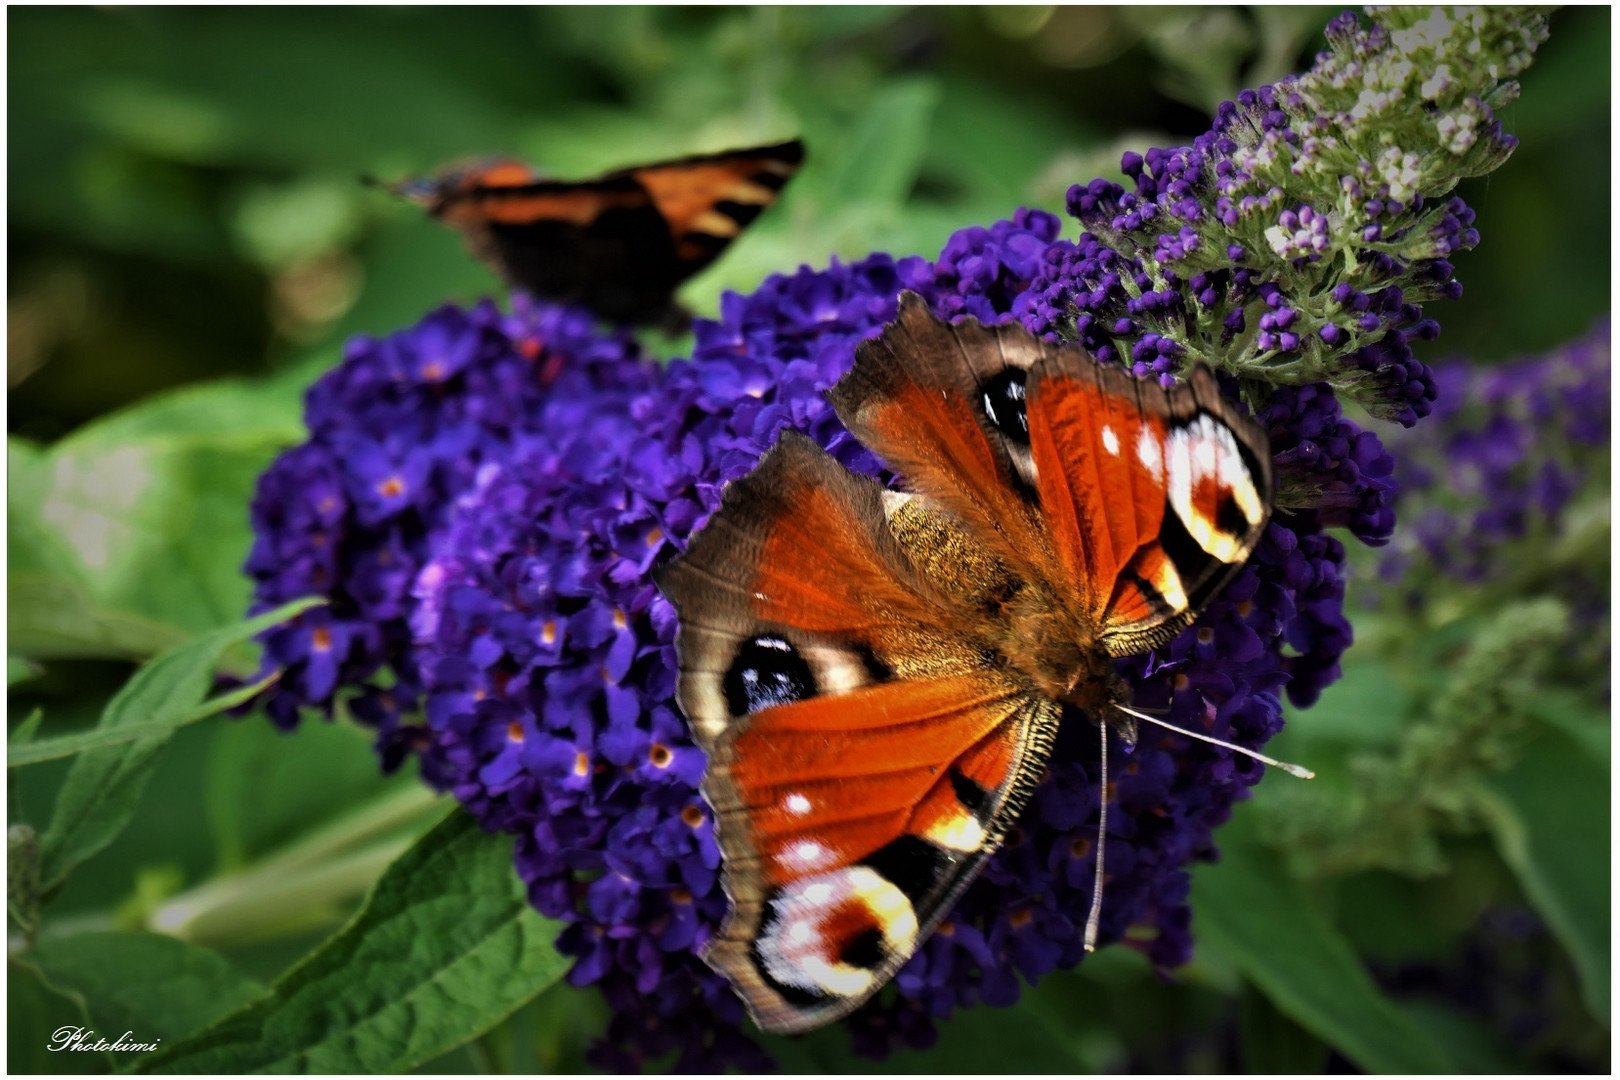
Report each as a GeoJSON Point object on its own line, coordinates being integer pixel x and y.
{"type": "Point", "coordinates": [878, 676]}
{"type": "Point", "coordinates": [619, 244]}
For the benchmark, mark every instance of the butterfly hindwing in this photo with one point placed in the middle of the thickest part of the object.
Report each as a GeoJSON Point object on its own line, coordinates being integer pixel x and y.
{"type": "Point", "coordinates": [621, 243]}
{"type": "Point", "coordinates": [864, 756]}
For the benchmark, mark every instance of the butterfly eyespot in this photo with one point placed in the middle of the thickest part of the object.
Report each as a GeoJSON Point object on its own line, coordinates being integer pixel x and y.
{"type": "Point", "coordinates": [766, 672]}
{"type": "Point", "coordinates": [1005, 406]}
{"type": "Point", "coordinates": [864, 949]}
{"type": "Point", "coordinates": [1230, 518]}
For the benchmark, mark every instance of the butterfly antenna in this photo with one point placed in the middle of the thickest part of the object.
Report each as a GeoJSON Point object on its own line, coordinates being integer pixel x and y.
{"type": "Point", "coordinates": [1094, 918]}
{"type": "Point", "coordinates": [1293, 770]}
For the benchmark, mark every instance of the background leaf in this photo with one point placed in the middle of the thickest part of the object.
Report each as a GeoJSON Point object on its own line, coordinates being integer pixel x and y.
{"type": "Point", "coordinates": [154, 986]}
{"type": "Point", "coordinates": [101, 790]}
{"type": "Point", "coordinates": [1249, 910]}
{"type": "Point", "coordinates": [1550, 816]}
{"type": "Point", "coordinates": [30, 752]}
{"type": "Point", "coordinates": [445, 947]}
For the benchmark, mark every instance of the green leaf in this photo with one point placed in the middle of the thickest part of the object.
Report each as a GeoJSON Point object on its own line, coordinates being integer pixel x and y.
{"type": "Point", "coordinates": [33, 1012]}
{"type": "Point", "coordinates": [128, 536]}
{"type": "Point", "coordinates": [1273, 1043]}
{"type": "Point", "coordinates": [103, 786]}
{"type": "Point", "coordinates": [1550, 817]}
{"type": "Point", "coordinates": [154, 986]}
{"type": "Point", "coordinates": [20, 669]}
{"type": "Point", "coordinates": [31, 753]}
{"type": "Point", "coordinates": [22, 877]}
{"type": "Point", "coordinates": [1582, 721]}
{"type": "Point", "coordinates": [446, 947]}
{"type": "Point", "coordinates": [1367, 706]}
{"type": "Point", "coordinates": [25, 731]}
{"type": "Point", "coordinates": [1258, 917]}
{"type": "Point", "coordinates": [883, 155]}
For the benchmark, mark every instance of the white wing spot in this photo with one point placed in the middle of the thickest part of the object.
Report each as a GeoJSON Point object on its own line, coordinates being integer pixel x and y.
{"type": "Point", "coordinates": [1110, 440]}
{"type": "Point", "coordinates": [796, 804]}
{"type": "Point", "coordinates": [1148, 453]}
{"type": "Point", "coordinates": [804, 856]}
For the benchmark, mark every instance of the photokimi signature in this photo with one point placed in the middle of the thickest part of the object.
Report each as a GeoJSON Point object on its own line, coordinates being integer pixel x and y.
{"type": "Point", "coordinates": [83, 1038]}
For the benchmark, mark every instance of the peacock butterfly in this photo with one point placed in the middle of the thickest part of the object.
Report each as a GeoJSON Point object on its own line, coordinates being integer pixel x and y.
{"type": "Point", "coordinates": [619, 244]}
{"type": "Point", "coordinates": [877, 676]}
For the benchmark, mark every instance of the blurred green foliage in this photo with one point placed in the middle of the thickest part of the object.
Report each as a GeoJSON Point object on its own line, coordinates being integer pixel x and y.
{"type": "Point", "coordinates": [189, 248]}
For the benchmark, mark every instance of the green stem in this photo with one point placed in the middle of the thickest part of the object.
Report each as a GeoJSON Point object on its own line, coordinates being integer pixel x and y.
{"type": "Point", "coordinates": [303, 885]}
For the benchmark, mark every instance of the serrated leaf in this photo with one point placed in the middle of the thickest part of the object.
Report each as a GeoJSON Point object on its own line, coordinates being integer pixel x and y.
{"type": "Point", "coordinates": [445, 947]}
{"type": "Point", "coordinates": [102, 788]}
{"type": "Point", "coordinates": [22, 752]}
{"type": "Point", "coordinates": [154, 986]}
{"type": "Point", "coordinates": [1550, 816]}
{"type": "Point", "coordinates": [1261, 919]}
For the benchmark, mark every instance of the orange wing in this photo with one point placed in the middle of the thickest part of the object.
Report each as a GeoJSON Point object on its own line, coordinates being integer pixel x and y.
{"type": "Point", "coordinates": [1153, 498]}
{"type": "Point", "coordinates": [708, 200]}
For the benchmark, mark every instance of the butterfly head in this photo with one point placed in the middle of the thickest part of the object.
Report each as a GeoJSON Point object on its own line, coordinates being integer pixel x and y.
{"type": "Point", "coordinates": [432, 193]}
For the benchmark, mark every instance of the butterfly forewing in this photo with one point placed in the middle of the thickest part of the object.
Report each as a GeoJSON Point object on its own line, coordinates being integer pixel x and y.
{"type": "Point", "coordinates": [1154, 498]}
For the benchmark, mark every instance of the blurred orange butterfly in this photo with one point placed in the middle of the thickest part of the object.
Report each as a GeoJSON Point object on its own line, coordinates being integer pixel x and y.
{"type": "Point", "coordinates": [619, 244]}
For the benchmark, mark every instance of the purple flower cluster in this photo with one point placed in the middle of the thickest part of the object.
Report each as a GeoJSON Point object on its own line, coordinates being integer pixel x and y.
{"type": "Point", "coordinates": [1515, 444]}
{"type": "Point", "coordinates": [1129, 289]}
{"type": "Point", "coordinates": [1297, 239]}
{"type": "Point", "coordinates": [396, 432]}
